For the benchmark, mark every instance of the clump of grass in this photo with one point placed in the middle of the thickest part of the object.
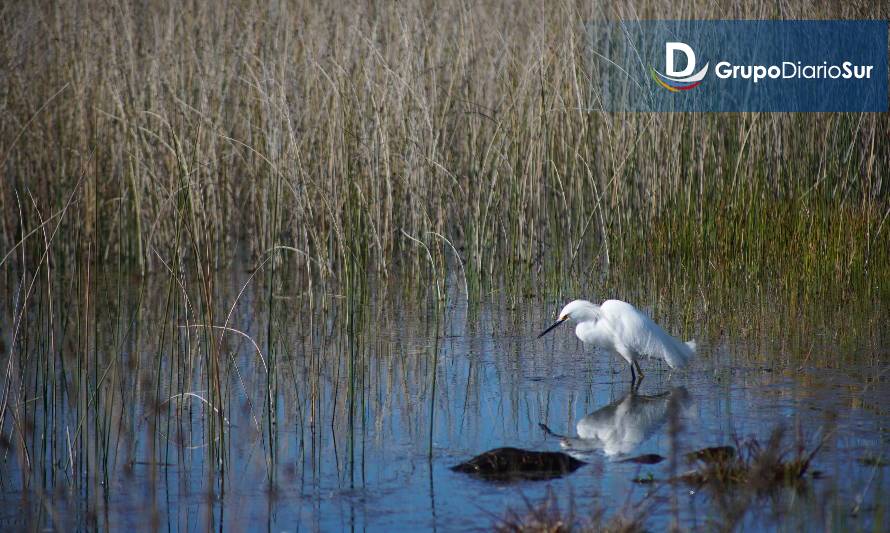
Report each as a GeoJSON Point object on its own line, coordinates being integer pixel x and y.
{"type": "Point", "coordinates": [755, 465]}
{"type": "Point", "coordinates": [741, 479]}
{"type": "Point", "coordinates": [546, 516]}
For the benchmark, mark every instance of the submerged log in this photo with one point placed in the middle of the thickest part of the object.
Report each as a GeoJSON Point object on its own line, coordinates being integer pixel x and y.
{"type": "Point", "coordinates": [508, 464]}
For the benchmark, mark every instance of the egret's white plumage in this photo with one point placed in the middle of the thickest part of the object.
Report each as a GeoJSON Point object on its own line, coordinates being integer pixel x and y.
{"type": "Point", "coordinates": [621, 328]}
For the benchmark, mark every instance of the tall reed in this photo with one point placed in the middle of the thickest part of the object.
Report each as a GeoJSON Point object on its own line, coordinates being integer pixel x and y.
{"type": "Point", "coordinates": [151, 131]}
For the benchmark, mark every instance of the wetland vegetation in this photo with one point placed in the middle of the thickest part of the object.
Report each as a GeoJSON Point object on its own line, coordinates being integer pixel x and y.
{"type": "Point", "coordinates": [284, 262]}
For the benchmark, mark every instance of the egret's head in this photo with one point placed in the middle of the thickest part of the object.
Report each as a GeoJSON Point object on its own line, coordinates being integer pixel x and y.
{"type": "Point", "coordinates": [577, 310]}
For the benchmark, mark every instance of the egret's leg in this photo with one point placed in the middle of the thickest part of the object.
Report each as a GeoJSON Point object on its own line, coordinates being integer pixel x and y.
{"type": "Point", "coordinates": [639, 370]}
{"type": "Point", "coordinates": [627, 354]}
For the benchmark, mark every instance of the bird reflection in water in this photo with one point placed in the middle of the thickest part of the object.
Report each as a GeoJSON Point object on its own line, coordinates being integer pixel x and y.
{"type": "Point", "coordinates": [620, 427]}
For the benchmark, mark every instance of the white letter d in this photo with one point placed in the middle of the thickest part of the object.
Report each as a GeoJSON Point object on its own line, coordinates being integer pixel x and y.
{"type": "Point", "coordinates": [669, 49]}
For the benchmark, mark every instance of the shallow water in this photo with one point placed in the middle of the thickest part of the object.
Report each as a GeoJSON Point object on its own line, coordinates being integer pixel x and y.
{"type": "Point", "coordinates": [374, 400]}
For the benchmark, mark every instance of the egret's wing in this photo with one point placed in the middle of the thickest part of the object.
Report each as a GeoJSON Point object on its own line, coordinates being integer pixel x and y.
{"type": "Point", "coordinates": [638, 332]}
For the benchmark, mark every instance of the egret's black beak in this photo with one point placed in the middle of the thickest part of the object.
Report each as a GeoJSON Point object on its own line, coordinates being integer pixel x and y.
{"type": "Point", "coordinates": [558, 322]}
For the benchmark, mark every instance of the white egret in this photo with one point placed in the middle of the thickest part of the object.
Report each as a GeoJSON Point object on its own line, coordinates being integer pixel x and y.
{"type": "Point", "coordinates": [621, 328]}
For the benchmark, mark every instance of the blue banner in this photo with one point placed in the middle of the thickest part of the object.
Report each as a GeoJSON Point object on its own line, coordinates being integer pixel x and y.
{"type": "Point", "coordinates": [738, 65]}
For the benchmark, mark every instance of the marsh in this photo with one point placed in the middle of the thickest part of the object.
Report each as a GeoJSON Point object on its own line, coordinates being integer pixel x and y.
{"type": "Point", "coordinates": [335, 417]}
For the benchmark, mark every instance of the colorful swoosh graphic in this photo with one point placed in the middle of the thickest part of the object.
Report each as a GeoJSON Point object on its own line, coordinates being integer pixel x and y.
{"type": "Point", "coordinates": [679, 84]}
{"type": "Point", "coordinates": [671, 85]}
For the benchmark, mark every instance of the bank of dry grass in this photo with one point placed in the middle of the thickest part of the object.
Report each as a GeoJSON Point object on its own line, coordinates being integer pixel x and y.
{"type": "Point", "coordinates": [180, 134]}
